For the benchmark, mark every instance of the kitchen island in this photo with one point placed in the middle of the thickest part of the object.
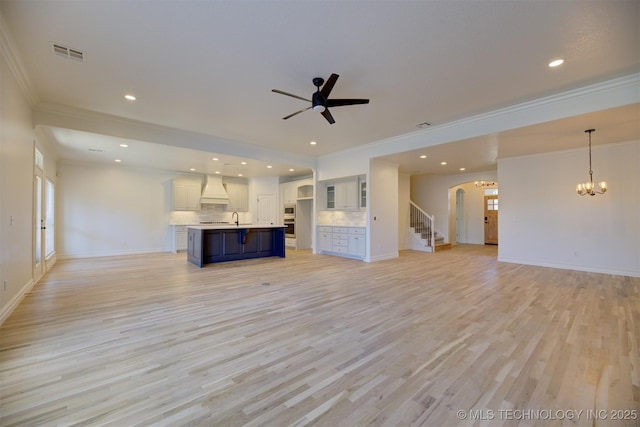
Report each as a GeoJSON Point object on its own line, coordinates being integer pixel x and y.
{"type": "Point", "coordinates": [219, 243]}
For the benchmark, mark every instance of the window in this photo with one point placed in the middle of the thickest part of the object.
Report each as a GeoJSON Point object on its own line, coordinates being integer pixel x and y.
{"type": "Point", "coordinates": [49, 215]}
{"type": "Point", "coordinates": [39, 160]}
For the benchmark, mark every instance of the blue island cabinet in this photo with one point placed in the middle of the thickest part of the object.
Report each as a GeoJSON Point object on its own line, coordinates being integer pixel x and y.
{"type": "Point", "coordinates": [209, 245]}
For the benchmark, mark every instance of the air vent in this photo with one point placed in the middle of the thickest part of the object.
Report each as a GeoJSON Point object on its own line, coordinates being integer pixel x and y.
{"type": "Point", "coordinates": [67, 52]}
{"type": "Point", "coordinates": [96, 150]}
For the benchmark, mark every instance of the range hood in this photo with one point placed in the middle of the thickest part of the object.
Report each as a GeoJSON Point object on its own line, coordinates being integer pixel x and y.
{"type": "Point", "coordinates": [214, 192]}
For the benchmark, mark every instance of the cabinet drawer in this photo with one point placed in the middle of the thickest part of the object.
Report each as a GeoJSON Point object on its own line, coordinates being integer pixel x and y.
{"type": "Point", "coordinates": [357, 230]}
{"type": "Point", "coordinates": [325, 229]}
{"type": "Point", "coordinates": [340, 230]}
{"type": "Point", "coordinates": [340, 249]}
{"type": "Point", "coordinates": [340, 242]}
{"type": "Point", "coordinates": [181, 228]}
{"type": "Point", "coordinates": [340, 236]}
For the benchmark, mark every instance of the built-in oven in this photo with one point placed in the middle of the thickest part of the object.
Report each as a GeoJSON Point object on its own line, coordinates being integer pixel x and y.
{"type": "Point", "coordinates": [290, 227]}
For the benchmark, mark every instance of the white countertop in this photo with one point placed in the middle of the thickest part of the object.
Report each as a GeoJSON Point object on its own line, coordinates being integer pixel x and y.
{"type": "Point", "coordinates": [232, 226]}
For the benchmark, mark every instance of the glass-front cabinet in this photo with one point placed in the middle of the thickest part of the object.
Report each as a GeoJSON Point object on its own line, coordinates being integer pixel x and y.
{"type": "Point", "coordinates": [331, 196]}
{"type": "Point", "coordinates": [362, 194]}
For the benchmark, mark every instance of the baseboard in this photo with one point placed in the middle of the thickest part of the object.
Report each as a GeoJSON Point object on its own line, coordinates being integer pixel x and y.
{"type": "Point", "coordinates": [382, 257]}
{"type": "Point", "coordinates": [6, 311]}
{"type": "Point", "coordinates": [590, 269]}
{"type": "Point", "coordinates": [50, 262]}
{"type": "Point", "coordinates": [109, 253]}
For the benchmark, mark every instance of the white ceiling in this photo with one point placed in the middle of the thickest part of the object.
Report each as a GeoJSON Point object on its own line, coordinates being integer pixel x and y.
{"type": "Point", "coordinates": [208, 67]}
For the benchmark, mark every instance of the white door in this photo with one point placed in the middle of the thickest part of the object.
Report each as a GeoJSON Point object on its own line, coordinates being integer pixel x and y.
{"type": "Point", "coordinates": [39, 227]}
{"type": "Point", "coordinates": [267, 212]}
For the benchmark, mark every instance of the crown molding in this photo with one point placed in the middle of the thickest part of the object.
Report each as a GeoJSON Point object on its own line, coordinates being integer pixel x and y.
{"type": "Point", "coordinates": [10, 54]}
{"type": "Point", "coordinates": [596, 97]}
{"type": "Point", "coordinates": [53, 115]}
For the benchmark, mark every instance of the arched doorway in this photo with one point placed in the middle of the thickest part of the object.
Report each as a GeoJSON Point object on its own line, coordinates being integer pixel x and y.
{"type": "Point", "coordinates": [466, 219]}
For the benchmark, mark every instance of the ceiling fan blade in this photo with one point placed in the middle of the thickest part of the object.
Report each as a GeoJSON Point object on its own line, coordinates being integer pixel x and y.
{"type": "Point", "coordinates": [297, 112]}
{"type": "Point", "coordinates": [290, 94]}
{"type": "Point", "coordinates": [341, 102]}
{"type": "Point", "coordinates": [327, 115]}
{"type": "Point", "coordinates": [328, 86]}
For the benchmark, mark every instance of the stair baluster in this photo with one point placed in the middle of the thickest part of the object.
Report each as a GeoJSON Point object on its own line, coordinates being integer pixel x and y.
{"type": "Point", "coordinates": [422, 223]}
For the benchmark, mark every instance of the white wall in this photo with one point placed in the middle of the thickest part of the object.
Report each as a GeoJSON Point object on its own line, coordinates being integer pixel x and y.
{"type": "Point", "coordinates": [404, 195]}
{"type": "Point", "coordinates": [383, 210]}
{"type": "Point", "coordinates": [16, 192]}
{"type": "Point", "coordinates": [112, 210]}
{"type": "Point", "coordinates": [342, 164]}
{"type": "Point", "coordinates": [542, 221]}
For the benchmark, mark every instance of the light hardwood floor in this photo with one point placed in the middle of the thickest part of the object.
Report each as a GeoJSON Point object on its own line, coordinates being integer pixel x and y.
{"type": "Point", "coordinates": [320, 340]}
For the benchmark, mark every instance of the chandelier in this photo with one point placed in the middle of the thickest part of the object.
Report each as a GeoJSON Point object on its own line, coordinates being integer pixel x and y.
{"type": "Point", "coordinates": [485, 184]}
{"type": "Point", "coordinates": [588, 187]}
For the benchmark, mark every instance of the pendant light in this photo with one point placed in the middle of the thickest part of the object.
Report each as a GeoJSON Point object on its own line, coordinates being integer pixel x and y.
{"type": "Point", "coordinates": [588, 187]}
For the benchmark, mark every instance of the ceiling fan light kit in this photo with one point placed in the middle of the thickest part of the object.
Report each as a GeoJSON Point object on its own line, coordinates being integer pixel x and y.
{"type": "Point", "coordinates": [320, 101]}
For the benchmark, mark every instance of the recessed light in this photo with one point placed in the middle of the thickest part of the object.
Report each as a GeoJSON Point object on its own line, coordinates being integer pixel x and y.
{"type": "Point", "coordinates": [243, 163]}
{"type": "Point", "coordinates": [123, 145]}
{"type": "Point", "coordinates": [239, 174]}
{"type": "Point", "coordinates": [218, 172]}
{"type": "Point", "coordinates": [215, 159]}
{"type": "Point", "coordinates": [424, 156]}
{"type": "Point", "coordinates": [269, 166]}
{"type": "Point", "coordinates": [192, 169]}
{"type": "Point", "coordinates": [443, 163]}
{"type": "Point", "coordinates": [117, 160]}
{"type": "Point", "coordinates": [556, 62]}
{"type": "Point", "coordinates": [463, 169]}
{"type": "Point", "coordinates": [313, 143]}
{"type": "Point", "coordinates": [291, 169]}
{"type": "Point", "coordinates": [130, 97]}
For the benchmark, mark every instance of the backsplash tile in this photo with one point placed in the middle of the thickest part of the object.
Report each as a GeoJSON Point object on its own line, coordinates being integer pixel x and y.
{"type": "Point", "coordinates": [346, 218]}
{"type": "Point", "coordinates": [208, 212]}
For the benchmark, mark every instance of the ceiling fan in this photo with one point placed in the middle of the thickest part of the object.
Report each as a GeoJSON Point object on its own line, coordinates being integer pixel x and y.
{"type": "Point", "coordinates": [320, 99]}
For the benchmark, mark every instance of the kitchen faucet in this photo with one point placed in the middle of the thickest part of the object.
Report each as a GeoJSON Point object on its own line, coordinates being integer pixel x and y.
{"type": "Point", "coordinates": [237, 218]}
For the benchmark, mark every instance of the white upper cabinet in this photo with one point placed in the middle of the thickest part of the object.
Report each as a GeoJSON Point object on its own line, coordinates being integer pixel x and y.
{"type": "Point", "coordinates": [238, 197]}
{"type": "Point", "coordinates": [292, 191]}
{"type": "Point", "coordinates": [186, 194]}
{"type": "Point", "coordinates": [342, 195]}
{"type": "Point", "coordinates": [289, 192]}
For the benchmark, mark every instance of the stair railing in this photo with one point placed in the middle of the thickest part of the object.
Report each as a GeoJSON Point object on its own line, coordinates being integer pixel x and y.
{"type": "Point", "coordinates": [422, 223]}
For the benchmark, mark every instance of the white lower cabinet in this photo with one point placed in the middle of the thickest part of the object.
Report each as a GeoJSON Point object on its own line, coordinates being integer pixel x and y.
{"type": "Point", "coordinates": [357, 242]}
{"type": "Point", "coordinates": [179, 238]}
{"type": "Point", "coordinates": [325, 239]}
{"type": "Point", "coordinates": [343, 241]}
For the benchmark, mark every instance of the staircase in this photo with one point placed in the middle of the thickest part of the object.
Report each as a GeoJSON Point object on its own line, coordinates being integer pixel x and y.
{"type": "Point", "coordinates": [424, 236]}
